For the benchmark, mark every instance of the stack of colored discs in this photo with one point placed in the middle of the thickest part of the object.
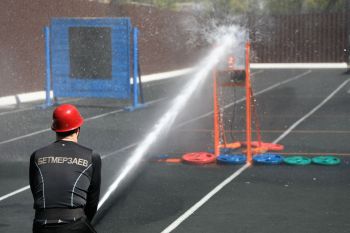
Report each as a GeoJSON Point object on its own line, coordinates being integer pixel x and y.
{"type": "Point", "coordinates": [231, 159]}
{"type": "Point", "coordinates": [271, 159]}
{"type": "Point", "coordinates": [326, 160]}
{"type": "Point", "coordinates": [297, 160]}
{"type": "Point", "coordinates": [199, 158]}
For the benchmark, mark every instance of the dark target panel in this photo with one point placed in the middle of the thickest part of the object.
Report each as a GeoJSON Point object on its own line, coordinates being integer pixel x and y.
{"type": "Point", "coordinates": [90, 50]}
{"type": "Point", "coordinates": [90, 57]}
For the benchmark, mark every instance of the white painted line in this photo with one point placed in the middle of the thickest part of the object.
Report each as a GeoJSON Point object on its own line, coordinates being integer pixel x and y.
{"type": "Point", "coordinates": [298, 65]}
{"type": "Point", "coordinates": [102, 157]}
{"type": "Point", "coordinates": [41, 95]}
{"type": "Point", "coordinates": [34, 96]}
{"type": "Point", "coordinates": [23, 98]}
{"type": "Point", "coordinates": [166, 75]}
{"type": "Point", "coordinates": [103, 115]}
{"type": "Point", "coordinates": [255, 73]}
{"type": "Point", "coordinates": [8, 100]}
{"type": "Point", "coordinates": [311, 112]}
{"type": "Point", "coordinates": [178, 126]}
{"type": "Point", "coordinates": [24, 136]}
{"type": "Point", "coordinates": [14, 192]}
{"type": "Point", "coordinates": [16, 110]}
{"type": "Point", "coordinates": [255, 94]}
{"type": "Point", "coordinates": [206, 198]}
{"type": "Point", "coordinates": [202, 116]}
{"type": "Point", "coordinates": [87, 119]}
{"type": "Point", "coordinates": [119, 150]}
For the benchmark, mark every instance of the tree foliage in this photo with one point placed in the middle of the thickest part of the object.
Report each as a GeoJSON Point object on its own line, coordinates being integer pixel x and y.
{"type": "Point", "coordinates": [255, 6]}
{"type": "Point", "coordinates": [304, 6]}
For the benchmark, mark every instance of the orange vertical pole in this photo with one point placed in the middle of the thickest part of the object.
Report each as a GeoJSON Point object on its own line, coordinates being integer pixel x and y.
{"type": "Point", "coordinates": [248, 105]}
{"type": "Point", "coordinates": [216, 115]}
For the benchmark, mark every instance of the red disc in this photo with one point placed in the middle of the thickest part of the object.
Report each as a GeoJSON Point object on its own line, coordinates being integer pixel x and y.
{"type": "Point", "coordinates": [199, 158]}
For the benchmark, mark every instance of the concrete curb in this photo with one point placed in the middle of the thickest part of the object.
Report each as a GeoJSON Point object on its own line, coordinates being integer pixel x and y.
{"type": "Point", "coordinates": [40, 95]}
{"type": "Point", "coordinates": [298, 65]}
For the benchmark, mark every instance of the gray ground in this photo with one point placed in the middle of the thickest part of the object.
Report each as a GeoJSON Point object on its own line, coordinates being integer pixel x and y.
{"type": "Point", "coordinates": [262, 199]}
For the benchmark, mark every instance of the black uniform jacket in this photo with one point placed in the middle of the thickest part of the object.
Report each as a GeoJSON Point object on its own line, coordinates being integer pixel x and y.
{"type": "Point", "coordinates": [65, 175]}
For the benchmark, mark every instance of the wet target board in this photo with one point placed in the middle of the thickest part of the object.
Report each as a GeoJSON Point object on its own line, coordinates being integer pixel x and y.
{"type": "Point", "coordinates": [199, 158]}
{"type": "Point", "coordinates": [90, 57]}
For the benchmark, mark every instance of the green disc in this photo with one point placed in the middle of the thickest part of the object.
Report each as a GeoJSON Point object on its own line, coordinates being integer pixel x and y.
{"type": "Point", "coordinates": [326, 160]}
{"type": "Point", "coordinates": [297, 160]}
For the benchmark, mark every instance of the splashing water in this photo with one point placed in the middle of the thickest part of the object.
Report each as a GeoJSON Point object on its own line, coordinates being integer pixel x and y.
{"type": "Point", "coordinates": [168, 118]}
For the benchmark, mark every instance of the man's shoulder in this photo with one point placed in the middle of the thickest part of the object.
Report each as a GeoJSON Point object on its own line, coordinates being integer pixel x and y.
{"type": "Point", "coordinates": [42, 149]}
{"type": "Point", "coordinates": [95, 155]}
{"type": "Point", "coordinates": [83, 147]}
{"type": "Point", "coordinates": [39, 152]}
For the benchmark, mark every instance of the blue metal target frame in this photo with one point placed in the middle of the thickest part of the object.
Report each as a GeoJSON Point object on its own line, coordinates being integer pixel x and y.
{"type": "Point", "coordinates": [90, 57]}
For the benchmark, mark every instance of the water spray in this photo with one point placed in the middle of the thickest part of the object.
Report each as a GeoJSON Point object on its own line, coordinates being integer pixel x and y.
{"type": "Point", "coordinates": [163, 125]}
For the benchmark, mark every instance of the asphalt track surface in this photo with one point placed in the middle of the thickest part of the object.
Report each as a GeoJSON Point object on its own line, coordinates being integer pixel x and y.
{"type": "Point", "coordinates": [305, 110]}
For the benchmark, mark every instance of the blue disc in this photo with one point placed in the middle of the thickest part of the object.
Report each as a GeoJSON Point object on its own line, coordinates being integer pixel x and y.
{"type": "Point", "coordinates": [268, 159]}
{"type": "Point", "coordinates": [231, 159]}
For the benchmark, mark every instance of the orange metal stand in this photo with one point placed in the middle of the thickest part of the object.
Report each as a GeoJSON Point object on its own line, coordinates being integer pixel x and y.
{"type": "Point", "coordinates": [217, 123]}
{"type": "Point", "coordinates": [216, 116]}
{"type": "Point", "coordinates": [248, 104]}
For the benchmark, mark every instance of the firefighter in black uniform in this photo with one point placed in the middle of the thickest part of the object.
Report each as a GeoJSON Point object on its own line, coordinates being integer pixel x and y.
{"type": "Point", "coordinates": [65, 178]}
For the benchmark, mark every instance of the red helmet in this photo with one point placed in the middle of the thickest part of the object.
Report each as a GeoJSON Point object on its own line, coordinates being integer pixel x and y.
{"type": "Point", "coordinates": [66, 117]}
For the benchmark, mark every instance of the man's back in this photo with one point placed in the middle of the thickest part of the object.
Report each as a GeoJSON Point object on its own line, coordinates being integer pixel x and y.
{"type": "Point", "coordinates": [62, 176]}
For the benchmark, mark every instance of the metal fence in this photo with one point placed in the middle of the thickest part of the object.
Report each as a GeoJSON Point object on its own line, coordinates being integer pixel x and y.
{"type": "Point", "coordinates": [318, 37]}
